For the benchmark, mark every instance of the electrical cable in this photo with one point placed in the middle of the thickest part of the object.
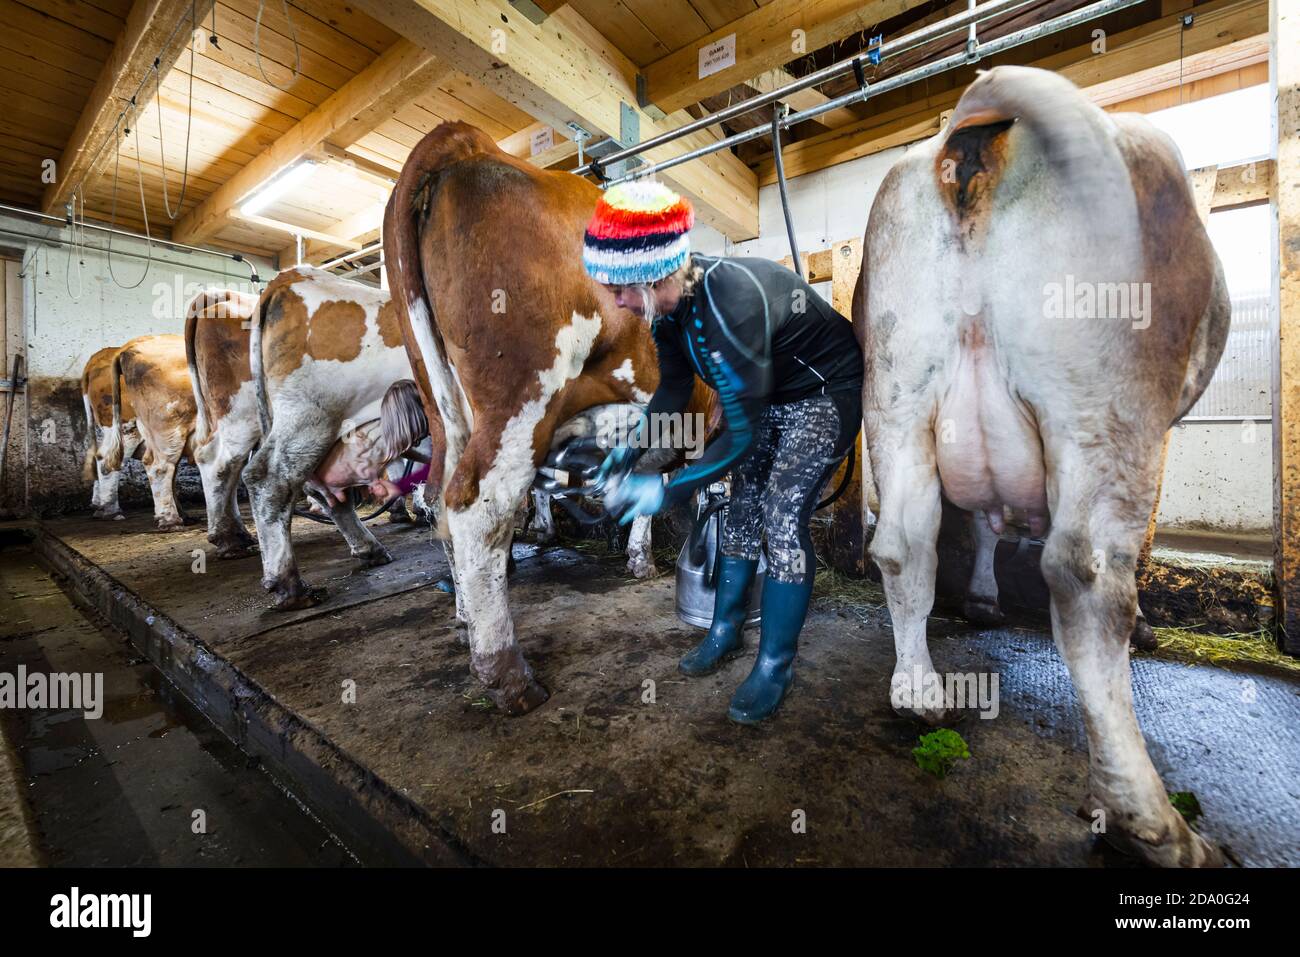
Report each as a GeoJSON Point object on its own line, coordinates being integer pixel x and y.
{"type": "Point", "coordinates": [189, 120]}
{"type": "Point", "coordinates": [257, 46]}
{"type": "Point", "coordinates": [144, 210]}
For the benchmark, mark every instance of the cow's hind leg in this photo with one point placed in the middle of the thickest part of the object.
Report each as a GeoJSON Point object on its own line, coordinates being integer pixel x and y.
{"type": "Point", "coordinates": [106, 493]}
{"type": "Point", "coordinates": [219, 467]}
{"type": "Point", "coordinates": [361, 541]}
{"type": "Point", "coordinates": [274, 477]}
{"type": "Point", "coordinates": [1099, 502]}
{"type": "Point", "coordinates": [981, 604]}
{"type": "Point", "coordinates": [905, 549]}
{"type": "Point", "coordinates": [543, 522]}
{"type": "Point", "coordinates": [640, 549]}
{"type": "Point", "coordinates": [481, 532]}
{"type": "Point", "coordinates": [162, 483]}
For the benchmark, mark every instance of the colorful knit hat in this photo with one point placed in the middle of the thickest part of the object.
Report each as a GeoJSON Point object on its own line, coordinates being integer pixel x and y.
{"type": "Point", "coordinates": [639, 233]}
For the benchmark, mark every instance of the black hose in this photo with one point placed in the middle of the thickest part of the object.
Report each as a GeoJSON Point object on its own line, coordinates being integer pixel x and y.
{"type": "Point", "coordinates": [578, 513]}
{"type": "Point", "coordinates": [696, 550]}
{"type": "Point", "coordinates": [850, 460]}
{"type": "Point", "coordinates": [785, 200]}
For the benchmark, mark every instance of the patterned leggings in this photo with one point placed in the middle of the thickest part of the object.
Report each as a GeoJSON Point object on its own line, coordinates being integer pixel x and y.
{"type": "Point", "coordinates": [775, 487]}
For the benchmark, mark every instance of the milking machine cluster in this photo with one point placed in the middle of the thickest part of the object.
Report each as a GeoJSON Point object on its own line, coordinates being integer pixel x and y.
{"type": "Point", "coordinates": [569, 474]}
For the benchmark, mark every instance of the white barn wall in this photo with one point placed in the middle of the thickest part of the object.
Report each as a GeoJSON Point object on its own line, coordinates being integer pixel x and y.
{"type": "Point", "coordinates": [1212, 479]}
{"type": "Point", "coordinates": [64, 323]}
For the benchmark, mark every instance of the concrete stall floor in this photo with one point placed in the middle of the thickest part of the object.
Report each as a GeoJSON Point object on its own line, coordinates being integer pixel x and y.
{"type": "Point", "coordinates": [630, 763]}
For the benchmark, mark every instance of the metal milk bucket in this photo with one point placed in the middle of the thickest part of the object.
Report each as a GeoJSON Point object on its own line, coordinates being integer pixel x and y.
{"type": "Point", "coordinates": [697, 565]}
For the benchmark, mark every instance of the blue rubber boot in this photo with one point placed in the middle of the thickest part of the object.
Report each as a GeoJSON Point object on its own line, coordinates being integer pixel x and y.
{"type": "Point", "coordinates": [785, 606]}
{"type": "Point", "coordinates": [730, 606]}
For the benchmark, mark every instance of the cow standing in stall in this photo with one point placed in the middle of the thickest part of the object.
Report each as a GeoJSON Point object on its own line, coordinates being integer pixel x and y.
{"type": "Point", "coordinates": [1038, 304]}
{"type": "Point", "coordinates": [323, 352]}
{"type": "Point", "coordinates": [153, 372]}
{"type": "Point", "coordinates": [217, 333]}
{"type": "Point", "coordinates": [509, 340]}
{"type": "Point", "coordinates": [97, 399]}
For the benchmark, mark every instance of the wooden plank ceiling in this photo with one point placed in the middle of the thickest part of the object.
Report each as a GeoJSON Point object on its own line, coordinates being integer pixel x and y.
{"type": "Point", "coordinates": [65, 59]}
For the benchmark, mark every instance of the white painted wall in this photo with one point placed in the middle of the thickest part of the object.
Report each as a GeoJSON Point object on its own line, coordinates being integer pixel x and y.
{"type": "Point", "coordinates": [1219, 476]}
{"type": "Point", "coordinates": [69, 314]}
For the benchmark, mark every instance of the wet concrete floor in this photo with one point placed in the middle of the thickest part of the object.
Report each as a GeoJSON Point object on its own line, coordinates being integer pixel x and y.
{"type": "Point", "coordinates": [630, 763]}
{"type": "Point", "coordinates": [128, 788]}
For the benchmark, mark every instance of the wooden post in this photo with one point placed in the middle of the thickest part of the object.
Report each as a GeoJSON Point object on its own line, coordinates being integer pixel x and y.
{"type": "Point", "coordinates": [1284, 83]}
{"type": "Point", "coordinates": [848, 539]}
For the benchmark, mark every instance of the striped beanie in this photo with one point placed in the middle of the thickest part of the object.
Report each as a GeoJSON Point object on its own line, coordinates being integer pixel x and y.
{"type": "Point", "coordinates": [639, 233]}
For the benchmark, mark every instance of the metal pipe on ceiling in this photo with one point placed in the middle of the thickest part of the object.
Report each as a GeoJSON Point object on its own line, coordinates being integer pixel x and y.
{"type": "Point", "coordinates": [33, 214]}
{"type": "Point", "coordinates": [909, 41]}
{"type": "Point", "coordinates": [348, 257]}
{"type": "Point", "coordinates": [1063, 22]}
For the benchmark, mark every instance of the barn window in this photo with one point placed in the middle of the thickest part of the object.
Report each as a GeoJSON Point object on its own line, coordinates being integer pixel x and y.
{"type": "Point", "coordinates": [1232, 130]}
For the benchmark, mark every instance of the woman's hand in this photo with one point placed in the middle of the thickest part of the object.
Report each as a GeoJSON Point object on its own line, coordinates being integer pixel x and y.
{"type": "Point", "coordinates": [636, 495]}
{"type": "Point", "coordinates": [384, 490]}
{"type": "Point", "coordinates": [616, 465]}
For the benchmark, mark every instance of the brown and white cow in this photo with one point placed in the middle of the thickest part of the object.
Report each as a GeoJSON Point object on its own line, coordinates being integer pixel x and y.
{"type": "Point", "coordinates": [153, 372]}
{"type": "Point", "coordinates": [323, 352]}
{"type": "Point", "coordinates": [217, 334]}
{"type": "Point", "coordinates": [1038, 303]}
{"type": "Point", "coordinates": [509, 339]}
{"type": "Point", "coordinates": [97, 399]}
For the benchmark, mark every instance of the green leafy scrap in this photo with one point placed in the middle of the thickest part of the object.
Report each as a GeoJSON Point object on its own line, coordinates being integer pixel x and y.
{"type": "Point", "coordinates": [1186, 804]}
{"type": "Point", "coordinates": [939, 751]}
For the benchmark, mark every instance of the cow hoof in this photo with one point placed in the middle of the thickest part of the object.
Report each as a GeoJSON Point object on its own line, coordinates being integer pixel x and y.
{"type": "Point", "coordinates": [240, 550]}
{"type": "Point", "coordinates": [1143, 638]}
{"type": "Point", "coordinates": [291, 596]}
{"type": "Point", "coordinates": [642, 569]}
{"type": "Point", "coordinates": [983, 611]}
{"type": "Point", "coordinates": [374, 557]}
{"type": "Point", "coordinates": [104, 513]}
{"type": "Point", "coordinates": [532, 696]}
{"type": "Point", "coordinates": [509, 681]}
{"type": "Point", "coordinates": [1165, 842]}
{"type": "Point", "coordinates": [400, 517]}
{"type": "Point", "coordinates": [309, 598]}
{"type": "Point", "coordinates": [169, 525]}
{"type": "Point", "coordinates": [909, 701]}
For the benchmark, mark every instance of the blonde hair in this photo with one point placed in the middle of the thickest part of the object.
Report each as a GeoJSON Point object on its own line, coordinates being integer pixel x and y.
{"type": "Point", "coordinates": [402, 421]}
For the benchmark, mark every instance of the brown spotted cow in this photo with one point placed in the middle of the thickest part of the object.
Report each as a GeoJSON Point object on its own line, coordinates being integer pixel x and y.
{"type": "Point", "coordinates": [97, 399]}
{"type": "Point", "coordinates": [509, 340]}
{"type": "Point", "coordinates": [153, 372]}
{"type": "Point", "coordinates": [323, 352]}
{"type": "Point", "coordinates": [1039, 302]}
{"type": "Point", "coordinates": [217, 333]}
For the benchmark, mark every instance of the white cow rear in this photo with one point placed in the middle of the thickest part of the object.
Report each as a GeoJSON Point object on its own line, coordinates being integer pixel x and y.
{"type": "Point", "coordinates": [994, 378]}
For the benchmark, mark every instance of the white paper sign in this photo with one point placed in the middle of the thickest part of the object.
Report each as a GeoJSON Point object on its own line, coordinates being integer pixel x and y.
{"type": "Point", "coordinates": [718, 56]}
{"type": "Point", "coordinates": [541, 141]}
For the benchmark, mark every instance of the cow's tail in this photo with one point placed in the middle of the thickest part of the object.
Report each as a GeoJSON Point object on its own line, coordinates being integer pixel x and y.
{"type": "Point", "coordinates": [197, 307]}
{"type": "Point", "coordinates": [88, 471]}
{"type": "Point", "coordinates": [255, 359]}
{"type": "Point", "coordinates": [405, 217]}
{"type": "Point", "coordinates": [1063, 121]}
{"type": "Point", "coordinates": [111, 453]}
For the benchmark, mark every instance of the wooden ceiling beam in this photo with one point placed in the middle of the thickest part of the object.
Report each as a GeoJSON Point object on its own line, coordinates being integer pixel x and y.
{"type": "Point", "coordinates": [365, 101]}
{"type": "Point", "coordinates": [800, 100]}
{"type": "Point", "coordinates": [148, 27]}
{"type": "Point", "coordinates": [564, 71]}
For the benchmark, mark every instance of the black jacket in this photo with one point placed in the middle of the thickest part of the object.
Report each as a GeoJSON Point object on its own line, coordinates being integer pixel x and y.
{"type": "Point", "coordinates": [758, 335]}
